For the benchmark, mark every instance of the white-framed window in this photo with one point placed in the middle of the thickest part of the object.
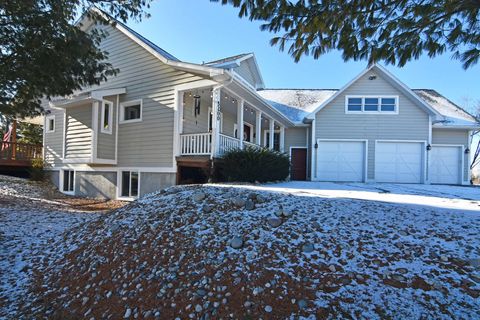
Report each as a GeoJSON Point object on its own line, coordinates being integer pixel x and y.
{"type": "Point", "coordinates": [50, 124]}
{"type": "Point", "coordinates": [107, 117]}
{"type": "Point", "coordinates": [67, 181]}
{"type": "Point", "coordinates": [131, 111]}
{"type": "Point", "coordinates": [130, 184]}
{"type": "Point", "coordinates": [371, 104]}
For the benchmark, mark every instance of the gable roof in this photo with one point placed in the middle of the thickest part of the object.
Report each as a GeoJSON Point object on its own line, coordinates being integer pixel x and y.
{"type": "Point", "coordinates": [296, 104]}
{"type": "Point", "coordinates": [228, 60]}
{"type": "Point", "coordinates": [389, 77]}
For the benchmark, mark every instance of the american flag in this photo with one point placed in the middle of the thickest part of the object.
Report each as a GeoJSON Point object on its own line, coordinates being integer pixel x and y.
{"type": "Point", "coordinates": [6, 138]}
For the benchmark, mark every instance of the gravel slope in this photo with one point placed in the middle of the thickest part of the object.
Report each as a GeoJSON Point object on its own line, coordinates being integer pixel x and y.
{"type": "Point", "coordinates": [222, 252]}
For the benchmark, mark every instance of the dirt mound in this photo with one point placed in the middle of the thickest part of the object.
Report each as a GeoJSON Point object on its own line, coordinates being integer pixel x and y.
{"type": "Point", "coordinates": [224, 252]}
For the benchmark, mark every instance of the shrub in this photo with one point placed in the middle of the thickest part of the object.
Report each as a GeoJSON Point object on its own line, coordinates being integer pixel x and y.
{"type": "Point", "coordinates": [254, 164]}
{"type": "Point", "coordinates": [37, 171]}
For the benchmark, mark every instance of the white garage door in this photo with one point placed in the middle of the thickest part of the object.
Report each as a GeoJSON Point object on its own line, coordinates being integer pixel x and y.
{"type": "Point", "coordinates": [445, 164]}
{"type": "Point", "coordinates": [341, 161]}
{"type": "Point", "coordinates": [399, 162]}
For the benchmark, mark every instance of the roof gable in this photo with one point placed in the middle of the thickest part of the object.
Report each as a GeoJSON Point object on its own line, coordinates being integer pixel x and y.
{"type": "Point", "coordinates": [389, 78]}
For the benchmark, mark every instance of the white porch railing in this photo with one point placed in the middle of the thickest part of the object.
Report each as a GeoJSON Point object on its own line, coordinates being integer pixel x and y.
{"type": "Point", "coordinates": [227, 143]}
{"type": "Point", "coordinates": [196, 144]}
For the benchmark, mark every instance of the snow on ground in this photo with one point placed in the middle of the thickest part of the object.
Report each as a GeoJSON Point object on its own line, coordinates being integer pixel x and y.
{"type": "Point", "coordinates": [30, 220]}
{"type": "Point", "coordinates": [276, 251]}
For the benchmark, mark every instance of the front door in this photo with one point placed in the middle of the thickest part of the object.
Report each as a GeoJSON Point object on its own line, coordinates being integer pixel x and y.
{"type": "Point", "coordinates": [299, 164]}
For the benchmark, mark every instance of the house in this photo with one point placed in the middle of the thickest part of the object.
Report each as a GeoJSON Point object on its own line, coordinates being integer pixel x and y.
{"type": "Point", "coordinates": [162, 121]}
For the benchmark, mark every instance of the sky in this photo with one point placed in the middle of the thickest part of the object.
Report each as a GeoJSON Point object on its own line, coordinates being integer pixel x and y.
{"type": "Point", "coordinates": [201, 31]}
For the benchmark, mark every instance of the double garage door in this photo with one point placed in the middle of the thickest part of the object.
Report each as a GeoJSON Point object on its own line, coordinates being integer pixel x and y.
{"type": "Point", "coordinates": [395, 162]}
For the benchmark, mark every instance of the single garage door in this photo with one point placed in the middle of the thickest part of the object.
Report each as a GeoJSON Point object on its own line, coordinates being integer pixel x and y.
{"type": "Point", "coordinates": [341, 161]}
{"type": "Point", "coordinates": [399, 162]}
{"type": "Point", "coordinates": [445, 164]}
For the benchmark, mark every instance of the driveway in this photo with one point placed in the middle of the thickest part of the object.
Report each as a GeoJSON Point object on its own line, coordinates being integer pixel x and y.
{"type": "Point", "coordinates": [462, 198]}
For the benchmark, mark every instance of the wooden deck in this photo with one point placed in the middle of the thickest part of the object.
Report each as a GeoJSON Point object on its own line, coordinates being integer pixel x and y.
{"type": "Point", "coordinates": [13, 154]}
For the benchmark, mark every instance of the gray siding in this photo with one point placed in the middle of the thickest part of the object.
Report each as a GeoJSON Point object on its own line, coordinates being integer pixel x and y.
{"type": "Point", "coordinates": [453, 136]}
{"type": "Point", "coordinates": [149, 142]}
{"type": "Point", "coordinates": [151, 182]}
{"type": "Point", "coordinates": [106, 141]}
{"type": "Point", "coordinates": [78, 137]}
{"type": "Point", "coordinates": [96, 184]}
{"type": "Point", "coordinates": [295, 137]}
{"type": "Point", "coordinates": [54, 140]}
{"type": "Point", "coordinates": [229, 121]}
{"type": "Point", "coordinates": [412, 122]}
{"type": "Point", "coordinates": [245, 72]}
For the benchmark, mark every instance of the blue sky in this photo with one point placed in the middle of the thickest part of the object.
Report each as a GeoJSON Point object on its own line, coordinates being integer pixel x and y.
{"type": "Point", "coordinates": [200, 30]}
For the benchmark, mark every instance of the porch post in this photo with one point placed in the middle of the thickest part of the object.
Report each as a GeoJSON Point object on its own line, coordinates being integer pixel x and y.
{"type": "Point", "coordinates": [258, 127]}
{"type": "Point", "coordinates": [215, 121]}
{"type": "Point", "coordinates": [240, 105]}
{"type": "Point", "coordinates": [272, 132]}
{"type": "Point", "coordinates": [282, 139]}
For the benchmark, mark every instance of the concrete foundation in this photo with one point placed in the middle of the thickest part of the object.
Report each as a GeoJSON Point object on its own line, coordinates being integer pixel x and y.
{"type": "Point", "coordinates": [153, 181]}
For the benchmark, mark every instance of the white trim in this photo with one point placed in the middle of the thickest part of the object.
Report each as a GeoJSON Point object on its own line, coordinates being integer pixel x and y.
{"type": "Point", "coordinates": [221, 120]}
{"type": "Point", "coordinates": [100, 94]}
{"type": "Point", "coordinates": [365, 154]}
{"type": "Point", "coordinates": [130, 103]}
{"type": "Point", "coordinates": [64, 148]}
{"type": "Point", "coordinates": [429, 142]}
{"type": "Point", "coordinates": [427, 108]}
{"type": "Point", "coordinates": [110, 117]}
{"type": "Point", "coordinates": [117, 117]}
{"type": "Point", "coordinates": [296, 147]}
{"type": "Point", "coordinates": [82, 167]}
{"type": "Point", "coordinates": [61, 181]}
{"type": "Point", "coordinates": [469, 146]}
{"type": "Point", "coordinates": [251, 126]}
{"type": "Point", "coordinates": [379, 97]}
{"type": "Point", "coordinates": [424, 179]}
{"type": "Point", "coordinates": [47, 120]}
{"type": "Point", "coordinates": [94, 130]}
{"type": "Point", "coordinates": [44, 152]}
{"type": "Point", "coordinates": [282, 138]}
{"type": "Point", "coordinates": [462, 151]}
{"type": "Point", "coordinates": [313, 155]}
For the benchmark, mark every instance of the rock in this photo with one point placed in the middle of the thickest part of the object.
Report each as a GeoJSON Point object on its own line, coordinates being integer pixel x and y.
{"type": "Point", "coordinates": [268, 309]}
{"type": "Point", "coordinates": [287, 213]}
{"type": "Point", "coordinates": [444, 258]}
{"type": "Point", "coordinates": [302, 304]}
{"type": "Point", "coordinates": [198, 308]}
{"type": "Point", "coordinates": [403, 233]}
{"type": "Point", "coordinates": [398, 277]}
{"type": "Point", "coordinates": [252, 196]}
{"type": "Point", "coordinates": [332, 268]}
{"type": "Point", "coordinates": [199, 196]}
{"type": "Point", "coordinates": [261, 199]}
{"type": "Point", "coordinates": [201, 293]}
{"type": "Point", "coordinates": [207, 208]}
{"type": "Point", "coordinates": [402, 270]}
{"type": "Point", "coordinates": [279, 212]}
{"type": "Point", "coordinates": [128, 313]}
{"type": "Point", "coordinates": [238, 202]}
{"type": "Point", "coordinates": [249, 205]}
{"type": "Point", "coordinates": [236, 243]}
{"type": "Point", "coordinates": [475, 263]}
{"type": "Point", "coordinates": [308, 247]}
{"type": "Point", "coordinates": [274, 222]}
{"type": "Point", "coordinates": [247, 304]}
{"type": "Point", "coordinates": [84, 301]}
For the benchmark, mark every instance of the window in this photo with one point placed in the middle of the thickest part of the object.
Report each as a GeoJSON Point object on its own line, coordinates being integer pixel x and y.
{"type": "Point", "coordinates": [276, 140]}
{"type": "Point", "coordinates": [50, 123]}
{"type": "Point", "coordinates": [130, 180]}
{"type": "Point", "coordinates": [107, 117]}
{"type": "Point", "coordinates": [131, 111]}
{"type": "Point", "coordinates": [68, 181]}
{"type": "Point", "coordinates": [372, 104]}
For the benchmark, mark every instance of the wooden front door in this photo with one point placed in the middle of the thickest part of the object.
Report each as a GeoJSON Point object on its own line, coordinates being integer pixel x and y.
{"type": "Point", "coordinates": [299, 164]}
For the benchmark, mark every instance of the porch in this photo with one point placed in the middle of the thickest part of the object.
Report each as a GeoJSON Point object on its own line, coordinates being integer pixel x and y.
{"type": "Point", "coordinates": [13, 154]}
{"type": "Point", "coordinates": [210, 121]}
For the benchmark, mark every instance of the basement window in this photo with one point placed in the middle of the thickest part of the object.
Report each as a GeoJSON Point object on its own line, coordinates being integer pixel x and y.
{"type": "Point", "coordinates": [130, 184]}
{"type": "Point", "coordinates": [107, 117]}
{"type": "Point", "coordinates": [68, 183]}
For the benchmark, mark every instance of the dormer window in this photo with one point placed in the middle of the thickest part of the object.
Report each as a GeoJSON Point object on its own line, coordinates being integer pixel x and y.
{"type": "Point", "coordinates": [371, 104]}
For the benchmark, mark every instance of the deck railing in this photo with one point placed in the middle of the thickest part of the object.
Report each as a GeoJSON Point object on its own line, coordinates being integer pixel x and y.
{"type": "Point", "coordinates": [14, 151]}
{"type": "Point", "coordinates": [197, 144]}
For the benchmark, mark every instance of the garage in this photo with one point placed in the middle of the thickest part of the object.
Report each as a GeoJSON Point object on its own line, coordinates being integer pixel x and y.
{"type": "Point", "coordinates": [445, 164]}
{"type": "Point", "coordinates": [341, 161]}
{"type": "Point", "coordinates": [399, 161]}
